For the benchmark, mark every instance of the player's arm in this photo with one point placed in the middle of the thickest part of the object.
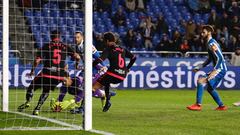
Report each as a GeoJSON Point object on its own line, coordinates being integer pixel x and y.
{"type": "Point", "coordinates": [102, 66]}
{"type": "Point", "coordinates": [35, 64]}
{"type": "Point", "coordinates": [218, 54]}
{"type": "Point", "coordinates": [96, 55]}
{"type": "Point", "coordinates": [204, 64]}
{"type": "Point", "coordinates": [103, 56]}
{"type": "Point", "coordinates": [75, 56]}
{"type": "Point", "coordinates": [132, 59]}
{"type": "Point", "coordinates": [219, 57]}
{"type": "Point", "coordinates": [37, 60]}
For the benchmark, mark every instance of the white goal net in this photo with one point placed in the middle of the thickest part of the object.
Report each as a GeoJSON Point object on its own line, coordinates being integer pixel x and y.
{"type": "Point", "coordinates": [33, 24]}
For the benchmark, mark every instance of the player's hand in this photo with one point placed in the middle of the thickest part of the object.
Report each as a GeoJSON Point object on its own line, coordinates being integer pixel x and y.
{"type": "Point", "coordinates": [212, 74]}
{"type": "Point", "coordinates": [103, 69]}
{"type": "Point", "coordinates": [195, 70]}
{"type": "Point", "coordinates": [77, 56]}
{"type": "Point", "coordinates": [30, 74]}
{"type": "Point", "coordinates": [68, 81]}
{"type": "Point", "coordinates": [79, 67]}
{"type": "Point", "coordinates": [67, 104]}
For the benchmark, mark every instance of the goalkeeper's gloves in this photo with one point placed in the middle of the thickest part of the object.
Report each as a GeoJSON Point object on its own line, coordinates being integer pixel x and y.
{"type": "Point", "coordinates": [55, 105]}
{"type": "Point", "coordinates": [67, 104]}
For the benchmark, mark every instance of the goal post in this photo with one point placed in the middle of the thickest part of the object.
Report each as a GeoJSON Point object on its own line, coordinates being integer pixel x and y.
{"type": "Point", "coordinates": [5, 58]}
{"type": "Point", "coordinates": [36, 23]}
{"type": "Point", "coordinates": [88, 64]}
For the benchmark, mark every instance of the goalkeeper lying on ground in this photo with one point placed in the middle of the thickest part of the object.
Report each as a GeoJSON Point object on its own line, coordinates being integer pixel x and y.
{"type": "Point", "coordinates": [76, 89]}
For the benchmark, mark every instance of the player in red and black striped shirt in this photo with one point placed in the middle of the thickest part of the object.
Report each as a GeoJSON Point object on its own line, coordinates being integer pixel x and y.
{"type": "Point", "coordinates": [53, 56]}
{"type": "Point", "coordinates": [118, 70]}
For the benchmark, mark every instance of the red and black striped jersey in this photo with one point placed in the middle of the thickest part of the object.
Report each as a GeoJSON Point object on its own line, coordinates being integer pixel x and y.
{"type": "Point", "coordinates": [117, 59]}
{"type": "Point", "coordinates": [54, 54]}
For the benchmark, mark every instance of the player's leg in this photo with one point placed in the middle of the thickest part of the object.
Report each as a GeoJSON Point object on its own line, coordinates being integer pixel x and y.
{"type": "Point", "coordinates": [109, 80]}
{"type": "Point", "coordinates": [41, 100]}
{"type": "Point", "coordinates": [215, 96]}
{"type": "Point", "coordinates": [200, 89]}
{"type": "Point", "coordinates": [35, 84]}
{"type": "Point", "coordinates": [212, 84]}
{"type": "Point", "coordinates": [108, 96]}
{"type": "Point", "coordinates": [49, 84]}
{"type": "Point", "coordinates": [63, 91]}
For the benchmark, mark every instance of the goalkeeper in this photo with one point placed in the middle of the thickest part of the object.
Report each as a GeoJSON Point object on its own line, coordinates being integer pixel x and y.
{"type": "Point", "coordinates": [76, 89]}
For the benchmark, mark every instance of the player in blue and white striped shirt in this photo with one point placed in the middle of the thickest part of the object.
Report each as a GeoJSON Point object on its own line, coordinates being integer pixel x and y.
{"type": "Point", "coordinates": [213, 78]}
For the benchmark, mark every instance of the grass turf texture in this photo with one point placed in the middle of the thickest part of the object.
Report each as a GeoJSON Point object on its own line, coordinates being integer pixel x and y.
{"type": "Point", "coordinates": [137, 112]}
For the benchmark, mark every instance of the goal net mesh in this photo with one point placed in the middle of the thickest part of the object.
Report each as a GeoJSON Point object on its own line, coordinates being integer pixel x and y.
{"type": "Point", "coordinates": [30, 24]}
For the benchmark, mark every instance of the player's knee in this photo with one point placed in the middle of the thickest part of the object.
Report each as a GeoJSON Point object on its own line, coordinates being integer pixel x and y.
{"type": "Point", "coordinates": [200, 80]}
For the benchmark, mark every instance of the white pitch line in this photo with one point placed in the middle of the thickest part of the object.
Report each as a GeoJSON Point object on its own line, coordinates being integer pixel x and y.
{"type": "Point", "coordinates": [71, 127]}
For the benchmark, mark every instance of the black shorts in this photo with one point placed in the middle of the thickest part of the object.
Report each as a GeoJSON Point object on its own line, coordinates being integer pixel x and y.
{"type": "Point", "coordinates": [109, 78]}
{"type": "Point", "coordinates": [46, 81]}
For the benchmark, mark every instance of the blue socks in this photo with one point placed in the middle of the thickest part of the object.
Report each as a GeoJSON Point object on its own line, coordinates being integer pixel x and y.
{"type": "Point", "coordinates": [200, 90]}
{"type": "Point", "coordinates": [216, 97]}
{"type": "Point", "coordinates": [211, 91]}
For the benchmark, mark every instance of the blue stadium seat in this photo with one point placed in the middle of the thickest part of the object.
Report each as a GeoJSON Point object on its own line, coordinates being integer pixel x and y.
{"type": "Point", "coordinates": [205, 17]}
{"type": "Point", "coordinates": [28, 13]}
{"type": "Point", "coordinates": [95, 14]}
{"type": "Point", "coordinates": [70, 22]}
{"type": "Point", "coordinates": [135, 22]}
{"type": "Point", "coordinates": [122, 31]}
{"type": "Point", "coordinates": [104, 15]}
{"type": "Point", "coordinates": [51, 21]}
{"type": "Point", "coordinates": [37, 14]}
{"type": "Point", "coordinates": [67, 14]}
{"type": "Point", "coordinates": [44, 28]}
{"type": "Point", "coordinates": [55, 13]}
{"type": "Point", "coordinates": [101, 29]}
{"type": "Point", "coordinates": [35, 28]}
{"type": "Point", "coordinates": [108, 22]}
{"type": "Point", "coordinates": [43, 21]}
{"type": "Point", "coordinates": [63, 28]}
{"type": "Point", "coordinates": [45, 13]}
{"type": "Point", "coordinates": [76, 14]}
{"type": "Point", "coordinates": [132, 15]}
{"type": "Point", "coordinates": [62, 21]}
{"type": "Point", "coordinates": [30, 20]}
{"type": "Point", "coordinates": [156, 39]}
{"type": "Point", "coordinates": [72, 30]}
{"type": "Point", "coordinates": [112, 28]}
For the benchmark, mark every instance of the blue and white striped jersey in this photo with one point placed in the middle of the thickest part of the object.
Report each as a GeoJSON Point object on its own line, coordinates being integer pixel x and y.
{"type": "Point", "coordinates": [215, 55]}
{"type": "Point", "coordinates": [80, 51]}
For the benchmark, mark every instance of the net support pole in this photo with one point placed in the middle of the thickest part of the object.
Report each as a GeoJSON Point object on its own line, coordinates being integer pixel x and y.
{"type": "Point", "coordinates": [5, 51]}
{"type": "Point", "coordinates": [88, 65]}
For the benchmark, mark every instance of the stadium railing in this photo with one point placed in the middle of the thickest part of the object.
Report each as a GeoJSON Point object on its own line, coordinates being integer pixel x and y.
{"type": "Point", "coordinates": [188, 54]}
{"type": "Point", "coordinates": [16, 53]}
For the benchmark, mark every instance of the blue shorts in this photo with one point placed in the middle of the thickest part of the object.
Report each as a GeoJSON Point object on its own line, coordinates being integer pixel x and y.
{"type": "Point", "coordinates": [214, 81]}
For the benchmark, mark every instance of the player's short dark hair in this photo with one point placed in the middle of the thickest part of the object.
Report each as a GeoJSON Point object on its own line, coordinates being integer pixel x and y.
{"type": "Point", "coordinates": [79, 32]}
{"type": "Point", "coordinates": [209, 28]}
{"type": "Point", "coordinates": [109, 36]}
{"type": "Point", "coordinates": [55, 34]}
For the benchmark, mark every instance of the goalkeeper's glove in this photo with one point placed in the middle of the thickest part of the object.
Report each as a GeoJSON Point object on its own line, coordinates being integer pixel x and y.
{"type": "Point", "coordinates": [67, 104]}
{"type": "Point", "coordinates": [55, 105]}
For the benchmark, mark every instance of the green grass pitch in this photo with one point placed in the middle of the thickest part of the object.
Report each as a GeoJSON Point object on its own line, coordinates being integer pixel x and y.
{"type": "Point", "coordinates": [143, 112]}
